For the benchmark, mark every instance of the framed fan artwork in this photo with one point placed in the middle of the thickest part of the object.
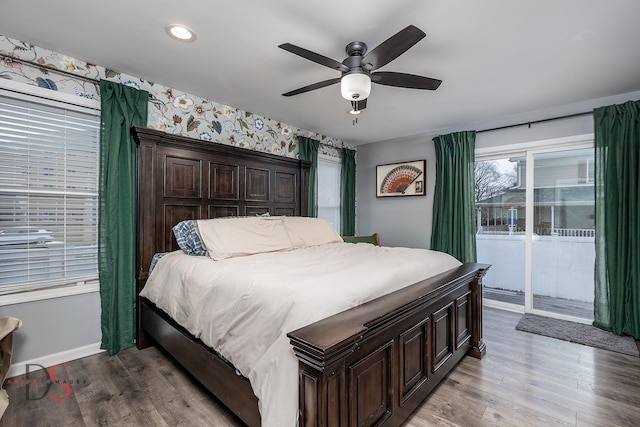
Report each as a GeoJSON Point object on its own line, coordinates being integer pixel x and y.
{"type": "Point", "coordinates": [401, 179]}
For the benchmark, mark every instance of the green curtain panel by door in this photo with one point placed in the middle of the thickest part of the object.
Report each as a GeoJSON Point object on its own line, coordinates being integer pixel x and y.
{"type": "Point", "coordinates": [617, 186]}
{"type": "Point", "coordinates": [122, 107]}
{"type": "Point", "coordinates": [453, 228]}
{"type": "Point", "coordinates": [308, 150]}
{"type": "Point", "coordinates": [348, 193]}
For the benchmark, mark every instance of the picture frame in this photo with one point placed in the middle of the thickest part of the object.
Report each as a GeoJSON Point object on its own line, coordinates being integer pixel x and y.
{"type": "Point", "coordinates": [401, 179]}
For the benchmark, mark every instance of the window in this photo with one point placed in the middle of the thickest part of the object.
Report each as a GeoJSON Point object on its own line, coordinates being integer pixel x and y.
{"type": "Point", "coordinates": [329, 175]}
{"type": "Point", "coordinates": [586, 171]}
{"type": "Point", "coordinates": [49, 153]}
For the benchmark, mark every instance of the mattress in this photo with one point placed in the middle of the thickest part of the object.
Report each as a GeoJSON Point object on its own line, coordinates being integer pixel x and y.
{"type": "Point", "coordinates": [243, 307]}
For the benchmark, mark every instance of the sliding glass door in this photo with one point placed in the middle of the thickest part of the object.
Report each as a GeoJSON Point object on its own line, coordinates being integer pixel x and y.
{"type": "Point", "coordinates": [563, 244]}
{"type": "Point", "coordinates": [535, 225]}
{"type": "Point", "coordinates": [500, 223]}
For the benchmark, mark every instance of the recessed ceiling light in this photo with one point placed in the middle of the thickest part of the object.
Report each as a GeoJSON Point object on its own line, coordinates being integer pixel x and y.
{"type": "Point", "coordinates": [180, 32]}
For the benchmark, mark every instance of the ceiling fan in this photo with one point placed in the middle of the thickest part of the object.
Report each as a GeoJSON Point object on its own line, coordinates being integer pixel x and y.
{"type": "Point", "coordinates": [358, 68]}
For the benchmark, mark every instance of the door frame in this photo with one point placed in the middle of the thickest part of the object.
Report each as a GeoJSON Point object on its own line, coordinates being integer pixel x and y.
{"type": "Point", "coordinates": [528, 150]}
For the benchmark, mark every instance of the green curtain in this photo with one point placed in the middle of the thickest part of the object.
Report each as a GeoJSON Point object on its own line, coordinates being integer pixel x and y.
{"type": "Point", "coordinates": [348, 193]}
{"type": "Point", "coordinates": [453, 227]}
{"type": "Point", "coordinates": [617, 187]}
{"type": "Point", "coordinates": [308, 150]}
{"type": "Point", "coordinates": [121, 108]}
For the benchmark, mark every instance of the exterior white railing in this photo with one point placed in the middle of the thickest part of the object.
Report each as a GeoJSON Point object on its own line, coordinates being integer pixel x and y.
{"type": "Point", "coordinates": [562, 232]}
{"type": "Point", "coordinates": [574, 232]}
{"type": "Point", "coordinates": [562, 265]}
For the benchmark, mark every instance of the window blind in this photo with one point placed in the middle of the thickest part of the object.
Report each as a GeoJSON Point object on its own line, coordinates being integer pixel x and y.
{"type": "Point", "coordinates": [48, 193]}
{"type": "Point", "coordinates": [329, 190]}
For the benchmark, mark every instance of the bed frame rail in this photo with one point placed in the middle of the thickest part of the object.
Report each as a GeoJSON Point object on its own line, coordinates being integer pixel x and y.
{"type": "Point", "coordinates": [201, 362]}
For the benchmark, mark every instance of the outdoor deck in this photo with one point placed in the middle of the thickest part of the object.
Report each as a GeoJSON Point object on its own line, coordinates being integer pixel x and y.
{"type": "Point", "coordinates": [568, 307]}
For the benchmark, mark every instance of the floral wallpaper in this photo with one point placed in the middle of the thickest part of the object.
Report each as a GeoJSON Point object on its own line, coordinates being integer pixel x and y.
{"type": "Point", "coordinates": [169, 110]}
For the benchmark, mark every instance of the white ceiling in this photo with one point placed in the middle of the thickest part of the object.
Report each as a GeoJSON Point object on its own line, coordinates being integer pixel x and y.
{"type": "Point", "coordinates": [500, 60]}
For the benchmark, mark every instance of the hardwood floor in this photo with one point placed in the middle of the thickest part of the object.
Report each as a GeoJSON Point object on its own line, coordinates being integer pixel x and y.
{"type": "Point", "coordinates": [525, 380]}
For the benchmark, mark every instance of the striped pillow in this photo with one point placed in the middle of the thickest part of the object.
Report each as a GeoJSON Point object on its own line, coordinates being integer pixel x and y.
{"type": "Point", "coordinates": [188, 238]}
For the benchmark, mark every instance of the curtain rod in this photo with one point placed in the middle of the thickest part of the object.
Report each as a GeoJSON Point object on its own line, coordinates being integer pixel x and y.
{"type": "Point", "coordinates": [533, 122]}
{"type": "Point", "coordinates": [96, 82]}
{"type": "Point", "coordinates": [10, 58]}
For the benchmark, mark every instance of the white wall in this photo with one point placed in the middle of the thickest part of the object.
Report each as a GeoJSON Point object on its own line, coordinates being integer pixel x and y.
{"type": "Point", "coordinates": [406, 221]}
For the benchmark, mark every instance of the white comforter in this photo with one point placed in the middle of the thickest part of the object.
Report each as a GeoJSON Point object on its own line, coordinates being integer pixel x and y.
{"type": "Point", "coordinates": [243, 307]}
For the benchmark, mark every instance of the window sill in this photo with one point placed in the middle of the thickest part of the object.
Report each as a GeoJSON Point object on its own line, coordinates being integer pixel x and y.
{"type": "Point", "coordinates": [44, 294]}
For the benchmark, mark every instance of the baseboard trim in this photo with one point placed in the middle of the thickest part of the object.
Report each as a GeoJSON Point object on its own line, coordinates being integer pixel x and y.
{"type": "Point", "coordinates": [20, 368]}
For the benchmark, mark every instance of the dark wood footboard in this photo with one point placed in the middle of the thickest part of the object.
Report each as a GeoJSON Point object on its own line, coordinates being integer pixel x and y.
{"type": "Point", "coordinates": [374, 364]}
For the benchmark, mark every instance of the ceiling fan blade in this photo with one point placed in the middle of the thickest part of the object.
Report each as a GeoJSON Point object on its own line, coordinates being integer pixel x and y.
{"type": "Point", "coordinates": [409, 81]}
{"type": "Point", "coordinates": [393, 47]}
{"type": "Point", "coordinates": [314, 86]}
{"type": "Point", "coordinates": [359, 105]}
{"type": "Point", "coordinates": [315, 57]}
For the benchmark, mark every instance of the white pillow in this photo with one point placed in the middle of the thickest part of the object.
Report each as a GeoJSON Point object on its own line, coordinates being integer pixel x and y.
{"type": "Point", "coordinates": [232, 237]}
{"type": "Point", "coordinates": [305, 231]}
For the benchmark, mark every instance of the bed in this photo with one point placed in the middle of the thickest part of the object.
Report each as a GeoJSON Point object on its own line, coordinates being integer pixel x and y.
{"type": "Point", "coordinates": [372, 364]}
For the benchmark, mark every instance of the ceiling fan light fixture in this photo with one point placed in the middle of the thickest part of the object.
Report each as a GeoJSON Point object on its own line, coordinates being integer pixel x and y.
{"type": "Point", "coordinates": [180, 32]}
{"type": "Point", "coordinates": [355, 86]}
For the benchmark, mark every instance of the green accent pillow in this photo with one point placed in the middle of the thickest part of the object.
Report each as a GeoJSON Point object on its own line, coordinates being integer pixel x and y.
{"type": "Point", "coordinates": [361, 239]}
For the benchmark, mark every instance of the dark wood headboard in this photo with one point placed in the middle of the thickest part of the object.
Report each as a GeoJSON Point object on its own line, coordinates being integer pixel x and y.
{"type": "Point", "coordinates": [184, 178]}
